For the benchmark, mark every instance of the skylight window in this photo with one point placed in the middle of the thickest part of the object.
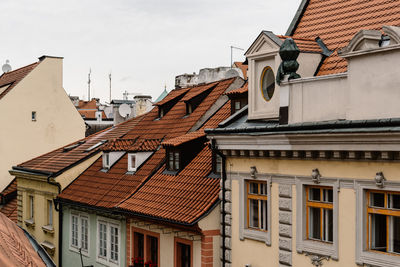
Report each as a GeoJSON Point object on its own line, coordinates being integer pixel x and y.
{"type": "Point", "coordinates": [69, 148]}
{"type": "Point", "coordinates": [95, 145]}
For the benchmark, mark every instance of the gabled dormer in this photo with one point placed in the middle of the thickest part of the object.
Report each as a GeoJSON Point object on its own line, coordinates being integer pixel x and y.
{"type": "Point", "coordinates": [114, 150]}
{"type": "Point", "coordinates": [194, 97]}
{"type": "Point", "coordinates": [264, 60]}
{"type": "Point", "coordinates": [239, 98]}
{"type": "Point", "coordinates": [182, 149]}
{"type": "Point", "coordinates": [139, 152]}
{"type": "Point", "coordinates": [169, 101]}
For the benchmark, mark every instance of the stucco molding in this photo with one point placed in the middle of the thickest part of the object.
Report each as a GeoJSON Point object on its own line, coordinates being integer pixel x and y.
{"type": "Point", "coordinates": [244, 232]}
{"type": "Point", "coordinates": [362, 255]}
{"type": "Point", "coordinates": [309, 246]}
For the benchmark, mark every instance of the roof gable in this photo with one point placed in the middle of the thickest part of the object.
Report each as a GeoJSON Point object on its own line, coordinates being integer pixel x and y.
{"type": "Point", "coordinates": [265, 42]}
{"type": "Point", "coordinates": [10, 79]}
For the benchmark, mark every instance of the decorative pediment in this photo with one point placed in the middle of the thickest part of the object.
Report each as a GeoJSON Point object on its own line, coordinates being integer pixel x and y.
{"type": "Point", "coordinates": [363, 40]}
{"type": "Point", "coordinates": [266, 42]}
{"type": "Point", "coordinates": [393, 32]}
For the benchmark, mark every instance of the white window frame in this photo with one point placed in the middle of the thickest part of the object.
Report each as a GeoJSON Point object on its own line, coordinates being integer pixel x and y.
{"type": "Point", "coordinates": [72, 247]}
{"type": "Point", "coordinates": [364, 256]}
{"type": "Point", "coordinates": [116, 224]}
{"type": "Point", "coordinates": [130, 167]}
{"type": "Point", "coordinates": [244, 231]}
{"type": "Point", "coordinates": [304, 245]}
{"type": "Point", "coordinates": [106, 156]}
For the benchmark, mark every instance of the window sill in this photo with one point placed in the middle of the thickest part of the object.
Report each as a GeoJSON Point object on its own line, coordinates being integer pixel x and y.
{"type": "Point", "coordinates": [48, 229]}
{"type": "Point", "coordinates": [30, 222]}
{"type": "Point", "coordinates": [378, 259]}
{"type": "Point", "coordinates": [50, 248]}
{"type": "Point", "coordinates": [76, 250]}
{"type": "Point", "coordinates": [262, 236]}
{"type": "Point", "coordinates": [170, 172]}
{"type": "Point", "coordinates": [318, 247]}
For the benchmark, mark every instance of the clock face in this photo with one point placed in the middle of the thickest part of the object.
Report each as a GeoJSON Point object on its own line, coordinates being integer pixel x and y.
{"type": "Point", "coordinates": [267, 83]}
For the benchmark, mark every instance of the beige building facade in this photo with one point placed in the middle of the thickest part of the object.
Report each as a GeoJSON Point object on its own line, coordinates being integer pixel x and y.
{"type": "Point", "coordinates": [37, 114]}
{"type": "Point", "coordinates": [312, 165]}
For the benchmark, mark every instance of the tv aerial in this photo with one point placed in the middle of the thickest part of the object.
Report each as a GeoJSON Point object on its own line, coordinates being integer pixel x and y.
{"type": "Point", "coordinates": [124, 110]}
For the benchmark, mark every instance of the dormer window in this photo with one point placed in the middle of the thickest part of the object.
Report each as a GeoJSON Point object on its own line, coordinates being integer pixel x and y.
{"type": "Point", "coordinates": [131, 162]}
{"type": "Point", "coordinates": [160, 112]}
{"type": "Point", "coordinates": [189, 108]}
{"type": "Point", "coordinates": [218, 164]}
{"type": "Point", "coordinates": [106, 160]}
{"type": "Point", "coordinates": [267, 83]}
{"type": "Point", "coordinates": [173, 161]}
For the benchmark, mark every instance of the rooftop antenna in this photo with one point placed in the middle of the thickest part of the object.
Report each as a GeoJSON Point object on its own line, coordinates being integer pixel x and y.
{"type": "Point", "coordinates": [6, 67]}
{"type": "Point", "coordinates": [90, 72]}
{"type": "Point", "coordinates": [109, 76]}
{"type": "Point", "coordinates": [234, 47]}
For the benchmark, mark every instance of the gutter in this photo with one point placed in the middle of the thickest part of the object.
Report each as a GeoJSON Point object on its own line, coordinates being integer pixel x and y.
{"type": "Point", "coordinates": [215, 149]}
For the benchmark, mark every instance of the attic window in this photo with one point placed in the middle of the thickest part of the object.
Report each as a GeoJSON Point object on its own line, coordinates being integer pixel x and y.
{"type": "Point", "coordinates": [33, 115]}
{"type": "Point", "coordinates": [173, 160]}
{"type": "Point", "coordinates": [385, 41]}
{"type": "Point", "coordinates": [189, 108]}
{"type": "Point", "coordinates": [131, 162]}
{"type": "Point", "coordinates": [69, 148]}
{"type": "Point", "coordinates": [267, 83]}
{"type": "Point", "coordinates": [106, 160]}
{"type": "Point", "coordinates": [216, 164]}
{"type": "Point", "coordinates": [95, 145]}
{"type": "Point", "coordinates": [160, 112]}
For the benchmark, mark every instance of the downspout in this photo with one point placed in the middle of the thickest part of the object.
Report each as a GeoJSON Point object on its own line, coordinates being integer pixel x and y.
{"type": "Point", "coordinates": [58, 208]}
{"type": "Point", "coordinates": [215, 149]}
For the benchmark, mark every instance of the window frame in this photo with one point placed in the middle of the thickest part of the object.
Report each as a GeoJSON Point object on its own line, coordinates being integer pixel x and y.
{"type": "Point", "coordinates": [258, 197]}
{"type": "Point", "coordinates": [176, 160]}
{"type": "Point", "coordinates": [106, 157]}
{"type": "Point", "coordinates": [145, 234]}
{"type": "Point", "coordinates": [303, 243]}
{"type": "Point", "coordinates": [363, 254]}
{"type": "Point", "coordinates": [109, 223]}
{"type": "Point", "coordinates": [72, 247]}
{"type": "Point", "coordinates": [31, 201]}
{"type": "Point", "coordinates": [130, 168]}
{"type": "Point", "coordinates": [244, 231]}
{"type": "Point", "coordinates": [185, 242]}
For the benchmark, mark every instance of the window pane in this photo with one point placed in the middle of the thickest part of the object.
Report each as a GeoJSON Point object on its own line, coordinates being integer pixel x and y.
{"type": "Point", "coordinates": [152, 249]}
{"type": "Point", "coordinates": [263, 214]}
{"type": "Point", "coordinates": [218, 164]}
{"type": "Point", "coordinates": [171, 161]}
{"type": "Point", "coordinates": [176, 160]}
{"type": "Point", "coordinates": [395, 235]}
{"type": "Point", "coordinates": [84, 234]}
{"type": "Point", "coordinates": [253, 188]}
{"type": "Point", "coordinates": [103, 240]}
{"type": "Point", "coordinates": [74, 234]}
{"type": "Point", "coordinates": [237, 105]}
{"type": "Point", "coordinates": [133, 161]}
{"type": "Point", "coordinates": [263, 189]}
{"type": "Point", "coordinates": [377, 200]}
{"type": "Point", "coordinates": [183, 255]}
{"type": "Point", "coordinates": [378, 232]}
{"type": "Point", "coordinates": [139, 245]}
{"type": "Point", "coordinates": [394, 201]}
{"type": "Point", "coordinates": [253, 210]}
{"type": "Point", "coordinates": [315, 223]}
{"type": "Point", "coordinates": [328, 225]}
{"type": "Point", "coordinates": [314, 194]}
{"type": "Point", "coordinates": [328, 195]}
{"type": "Point", "coordinates": [114, 243]}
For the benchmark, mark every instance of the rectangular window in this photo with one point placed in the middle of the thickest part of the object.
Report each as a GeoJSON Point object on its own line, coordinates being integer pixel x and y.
{"type": "Point", "coordinates": [218, 164]}
{"type": "Point", "coordinates": [106, 160]}
{"type": "Point", "coordinates": [133, 161]}
{"type": "Point", "coordinates": [176, 160]}
{"type": "Point", "coordinates": [183, 255]}
{"type": "Point", "coordinates": [237, 105]}
{"type": "Point", "coordinates": [33, 115]}
{"type": "Point", "coordinates": [145, 247]}
{"type": "Point", "coordinates": [383, 221]}
{"type": "Point", "coordinates": [114, 250]}
{"type": "Point", "coordinates": [50, 212]}
{"type": "Point", "coordinates": [108, 242]}
{"type": "Point", "coordinates": [31, 207]}
{"type": "Point", "coordinates": [74, 231]}
{"type": "Point", "coordinates": [102, 239]}
{"type": "Point", "coordinates": [257, 205]}
{"type": "Point", "coordinates": [84, 233]}
{"type": "Point", "coordinates": [319, 209]}
{"type": "Point", "coordinates": [173, 161]}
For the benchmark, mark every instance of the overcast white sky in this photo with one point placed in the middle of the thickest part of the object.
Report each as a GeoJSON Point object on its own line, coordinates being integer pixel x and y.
{"type": "Point", "coordinates": [144, 43]}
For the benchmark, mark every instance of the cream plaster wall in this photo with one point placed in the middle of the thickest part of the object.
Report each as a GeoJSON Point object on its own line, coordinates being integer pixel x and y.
{"type": "Point", "coordinates": [58, 122]}
{"type": "Point", "coordinates": [257, 253]}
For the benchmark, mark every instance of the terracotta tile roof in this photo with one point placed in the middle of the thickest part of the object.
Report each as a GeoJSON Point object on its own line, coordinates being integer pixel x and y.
{"type": "Point", "coordinates": [92, 104]}
{"type": "Point", "coordinates": [172, 95]}
{"type": "Point", "coordinates": [15, 247]}
{"type": "Point", "coordinates": [59, 159]}
{"type": "Point", "coordinates": [132, 145]}
{"type": "Point", "coordinates": [181, 198]}
{"type": "Point", "coordinates": [337, 21]}
{"type": "Point", "coordinates": [14, 77]}
{"type": "Point", "coordinates": [198, 90]}
{"type": "Point", "coordinates": [243, 67]}
{"type": "Point", "coordinates": [9, 200]}
{"type": "Point", "coordinates": [184, 138]}
{"type": "Point", "coordinates": [91, 114]}
{"type": "Point", "coordinates": [242, 90]}
{"type": "Point", "coordinates": [106, 189]}
{"type": "Point", "coordinates": [305, 45]}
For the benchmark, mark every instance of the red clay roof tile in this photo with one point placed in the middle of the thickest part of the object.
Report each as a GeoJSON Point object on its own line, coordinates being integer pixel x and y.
{"type": "Point", "coordinates": [337, 21]}
{"type": "Point", "coordinates": [305, 45]}
{"type": "Point", "coordinates": [107, 189]}
{"type": "Point", "coordinates": [242, 90]}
